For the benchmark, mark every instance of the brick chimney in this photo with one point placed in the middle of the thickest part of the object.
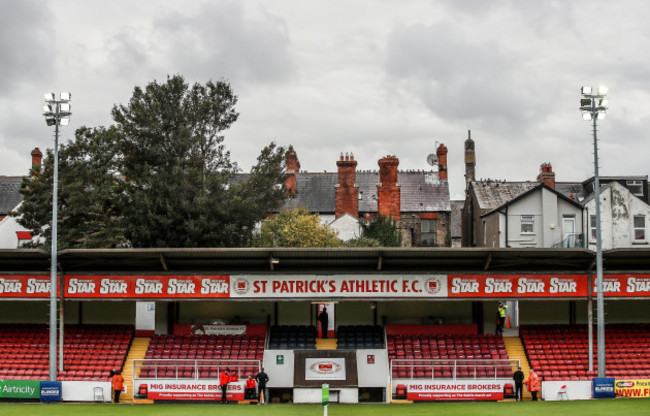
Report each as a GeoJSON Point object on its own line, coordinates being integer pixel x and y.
{"type": "Point", "coordinates": [470, 160]}
{"type": "Point", "coordinates": [388, 190]}
{"type": "Point", "coordinates": [346, 198]}
{"type": "Point", "coordinates": [442, 162]}
{"type": "Point", "coordinates": [37, 158]}
{"type": "Point", "coordinates": [293, 167]}
{"type": "Point", "coordinates": [546, 175]}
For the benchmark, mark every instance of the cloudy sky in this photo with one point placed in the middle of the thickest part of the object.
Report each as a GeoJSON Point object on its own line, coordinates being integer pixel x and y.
{"type": "Point", "coordinates": [368, 77]}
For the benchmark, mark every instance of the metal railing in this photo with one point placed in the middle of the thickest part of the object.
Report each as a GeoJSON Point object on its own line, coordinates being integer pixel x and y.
{"type": "Point", "coordinates": [573, 240]}
{"type": "Point", "coordinates": [192, 369]}
{"type": "Point", "coordinates": [452, 369]}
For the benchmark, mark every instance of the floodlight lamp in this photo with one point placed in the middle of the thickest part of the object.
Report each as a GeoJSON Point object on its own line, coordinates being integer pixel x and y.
{"type": "Point", "coordinates": [585, 90]}
{"type": "Point", "coordinates": [65, 107]}
{"type": "Point", "coordinates": [50, 121]}
{"type": "Point", "coordinates": [49, 96]}
{"type": "Point", "coordinates": [47, 108]}
{"type": "Point", "coordinates": [600, 115]}
{"type": "Point", "coordinates": [65, 96]}
{"type": "Point", "coordinates": [585, 102]}
{"type": "Point", "coordinates": [64, 121]}
{"type": "Point", "coordinates": [604, 103]}
{"type": "Point", "coordinates": [602, 91]}
{"type": "Point", "coordinates": [586, 116]}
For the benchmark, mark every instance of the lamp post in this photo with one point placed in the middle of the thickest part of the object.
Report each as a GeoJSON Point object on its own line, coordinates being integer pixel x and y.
{"type": "Point", "coordinates": [593, 105]}
{"type": "Point", "coordinates": [56, 112]}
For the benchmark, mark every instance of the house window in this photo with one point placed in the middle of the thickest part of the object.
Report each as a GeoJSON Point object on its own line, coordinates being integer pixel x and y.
{"type": "Point", "coordinates": [592, 227]}
{"type": "Point", "coordinates": [527, 224]}
{"type": "Point", "coordinates": [428, 232]}
{"type": "Point", "coordinates": [636, 187]}
{"type": "Point", "coordinates": [639, 228]}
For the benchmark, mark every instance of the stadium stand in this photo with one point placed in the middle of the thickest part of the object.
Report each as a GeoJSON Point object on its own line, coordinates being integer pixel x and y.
{"type": "Point", "coordinates": [561, 352]}
{"type": "Point", "coordinates": [423, 348]}
{"type": "Point", "coordinates": [292, 337]}
{"type": "Point", "coordinates": [359, 337]}
{"type": "Point", "coordinates": [179, 353]}
{"type": "Point", "coordinates": [90, 351]}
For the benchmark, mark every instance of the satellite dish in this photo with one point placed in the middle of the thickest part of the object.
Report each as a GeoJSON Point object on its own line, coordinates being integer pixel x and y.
{"type": "Point", "coordinates": [432, 159]}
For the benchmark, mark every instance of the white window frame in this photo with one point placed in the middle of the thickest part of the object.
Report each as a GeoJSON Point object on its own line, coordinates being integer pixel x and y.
{"type": "Point", "coordinates": [528, 220]}
{"type": "Point", "coordinates": [639, 228]}
{"type": "Point", "coordinates": [592, 228]}
{"type": "Point", "coordinates": [633, 184]}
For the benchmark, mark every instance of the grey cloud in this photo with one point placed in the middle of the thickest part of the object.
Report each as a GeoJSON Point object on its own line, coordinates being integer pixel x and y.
{"type": "Point", "coordinates": [26, 43]}
{"type": "Point", "coordinates": [219, 40]}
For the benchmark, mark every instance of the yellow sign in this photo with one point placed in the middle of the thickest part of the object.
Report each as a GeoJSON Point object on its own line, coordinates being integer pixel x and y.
{"type": "Point", "coordinates": [633, 388]}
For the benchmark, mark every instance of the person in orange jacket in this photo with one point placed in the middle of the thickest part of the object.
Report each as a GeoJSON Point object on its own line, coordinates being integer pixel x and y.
{"type": "Point", "coordinates": [224, 379]}
{"type": "Point", "coordinates": [250, 387]}
{"type": "Point", "coordinates": [534, 383]}
{"type": "Point", "coordinates": [118, 385]}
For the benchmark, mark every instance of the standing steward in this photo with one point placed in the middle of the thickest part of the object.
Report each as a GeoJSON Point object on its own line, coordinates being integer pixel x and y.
{"type": "Point", "coordinates": [324, 320]}
{"type": "Point", "coordinates": [262, 378]}
{"type": "Point", "coordinates": [224, 379]}
{"type": "Point", "coordinates": [518, 377]}
{"type": "Point", "coordinates": [502, 311]}
{"type": "Point", "coordinates": [118, 385]}
{"type": "Point", "coordinates": [534, 384]}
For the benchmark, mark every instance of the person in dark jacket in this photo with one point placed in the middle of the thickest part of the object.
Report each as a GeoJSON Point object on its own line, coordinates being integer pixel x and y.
{"type": "Point", "coordinates": [518, 377]}
{"type": "Point", "coordinates": [262, 378]}
{"type": "Point", "coordinates": [324, 320]}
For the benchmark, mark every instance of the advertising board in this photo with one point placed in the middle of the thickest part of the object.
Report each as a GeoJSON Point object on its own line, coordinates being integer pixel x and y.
{"type": "Point", "coordinates": [24, 286]}
{"type": "Point", "coordinates": [338, 286]}
{"type": "Point", "coordinates": [147, 286]}
{"type": "Point", "coordinates": [205, 389]}
{"type": "Point", "coordinates": [625, 285]}
{"type": "Point", "coordinates": [632, 388]}
{"type": "Point", "coordinates": [20, 389]}
{"type": "Point", "coordinates": [454, 390]}
{"type": "Point", "coordinates": [324, 368]}
{"type": "Point", "coordinates": [517, 286]}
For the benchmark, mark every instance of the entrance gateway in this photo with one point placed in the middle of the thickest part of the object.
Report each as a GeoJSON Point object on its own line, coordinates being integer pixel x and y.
{"type": "Point", "coordinates": [368, 287]}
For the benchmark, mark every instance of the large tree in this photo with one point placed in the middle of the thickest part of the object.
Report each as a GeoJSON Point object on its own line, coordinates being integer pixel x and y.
{"type": "Point", "coordinates": [161, 177]}
{"type": "Point", "coordinates": [181, 188]}
{"type": "Point", "coordinates": [89, 184]}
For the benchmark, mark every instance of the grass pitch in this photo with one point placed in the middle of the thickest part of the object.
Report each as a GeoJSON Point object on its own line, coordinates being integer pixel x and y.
{"type": "Point", "coordinates": [627, 407]}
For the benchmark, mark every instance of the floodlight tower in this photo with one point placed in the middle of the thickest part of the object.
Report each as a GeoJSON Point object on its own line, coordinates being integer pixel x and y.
{"type": "Point", "coordinates": [593, 105]}
{"type": "Point", "coordinates": [57, 113]}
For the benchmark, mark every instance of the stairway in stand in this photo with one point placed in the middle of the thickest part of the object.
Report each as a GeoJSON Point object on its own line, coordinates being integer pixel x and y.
{"type": "Point", "coordinates": [326, 343]}
{"type": "Point", "coordinates": [516, 351]}
{"type": "Point", "coordinates": [137, 352]}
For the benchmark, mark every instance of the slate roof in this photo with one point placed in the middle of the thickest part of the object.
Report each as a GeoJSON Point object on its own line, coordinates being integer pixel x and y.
{"type": "Point", "coordinates": [10, 196]}
{"type": "Point", "coordinates": [420, 191]}
{"type": "Point", "coordinates": [572, 189]}
{"type": "Point", "coordinates": [492, 194]}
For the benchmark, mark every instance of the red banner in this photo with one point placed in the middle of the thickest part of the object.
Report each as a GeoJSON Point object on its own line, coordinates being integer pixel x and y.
{"type": "Point", "coordinates": [25, 286]}
{"type": "Point", "coordinates": [455, 390]}
{"type": "Point", "coordinates": [147, 286]}
{"type": "Point", "coordinates": [625, 285]}
{"type": "Point", "coordinates": [517, 286]}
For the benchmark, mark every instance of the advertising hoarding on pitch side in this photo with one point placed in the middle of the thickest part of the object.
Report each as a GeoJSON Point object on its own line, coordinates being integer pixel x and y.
{"type": "Point", "coordinates": [20, 389]}
{"type": "Point", "coordinates": [455, 390]}
{"type": "Point", "coordinates": [632, 388]}
{"type": "Point", "coordinates": [338, 286]}
{"type": "Point", "coordinates": [205, 389]}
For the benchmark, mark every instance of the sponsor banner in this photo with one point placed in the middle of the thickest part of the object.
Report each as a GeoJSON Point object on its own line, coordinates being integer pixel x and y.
{"type": "Point", "coordinates": [618, 285]}
{"type": "Point", "coordinates": [603, 388]}
{"type": "Point", "coordinates": [338, 286]}
{"type": "Point", "coordinates": [50, 391]}
{"type": "Point", "coordinates": [455, 390]}
{"type": "Point", "coordinates": [219, 329]}
{"type": "Point", "coordinates": [205, 389]}
{"type": "Point", "coordinates": [25, 286]}
{"type": "Point", "coordinates": [20, 389]}
{"type": "Point", "coordinates": [324, 368]}
{"type": "Point", "coordinates": [146, 286]}
{"type": "Point", "coordinates": [517, 286]}
{"type": "Point", "coordinates": [633, 388]}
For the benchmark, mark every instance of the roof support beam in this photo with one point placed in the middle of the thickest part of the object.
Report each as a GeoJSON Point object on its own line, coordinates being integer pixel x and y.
{"type": "Point", "coordinates": [488, 261]}
{"type": "Point", "coordinates": [163, 263]}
